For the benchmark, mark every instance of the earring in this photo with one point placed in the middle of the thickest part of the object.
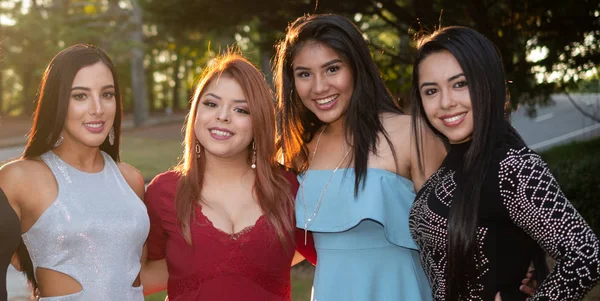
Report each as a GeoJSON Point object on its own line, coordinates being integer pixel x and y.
{"type": "Point", "coordinates": [111, 136]}
{"type": "Point", "coordinates": [58, 141]}
{"type": "Point", "coordinates": [198, 149]}
{"type": "Point", "coordinates": [253, 155]}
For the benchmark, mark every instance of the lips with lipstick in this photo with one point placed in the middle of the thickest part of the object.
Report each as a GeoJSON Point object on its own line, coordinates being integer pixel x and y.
{"type": "Point", "coordinates": [454, 119]}
{"type": "Point", "coordinates": [220, 133]}
{"type": "Point", "coordinates": [327, 102]}
{"type": "Point", "coordinates": [95, 126]}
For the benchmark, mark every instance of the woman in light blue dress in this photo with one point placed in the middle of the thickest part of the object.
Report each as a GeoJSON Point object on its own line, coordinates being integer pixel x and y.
{"type": "Point", "coordinates": [353, 149]}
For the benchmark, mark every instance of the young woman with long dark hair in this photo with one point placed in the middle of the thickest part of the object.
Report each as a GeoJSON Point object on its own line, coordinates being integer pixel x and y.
{"type": "Point", "coordinates": [82, 219]}
{"type": "Point", "coordinates": [493, 206]}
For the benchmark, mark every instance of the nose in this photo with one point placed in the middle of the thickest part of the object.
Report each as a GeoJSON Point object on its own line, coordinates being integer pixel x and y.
{"type": "Point", "coordinates": [447, 100]}
{"type": "Point", "coordinates": [223, 114]}
{"type": "Point", "coordinates": [96, 107]}
{"type": "Point", "coordinates": [321, 84]}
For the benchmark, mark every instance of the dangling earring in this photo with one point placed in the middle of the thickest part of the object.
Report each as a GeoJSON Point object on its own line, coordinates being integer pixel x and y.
{"type": "Point", "coordinates": [253, 155]}
{"type": "Point", "coordinates": [198, 150]}
{"type": "Point", "coordinates": [111, 136]}
{"type": "Point", "coordinates": [58, 141]}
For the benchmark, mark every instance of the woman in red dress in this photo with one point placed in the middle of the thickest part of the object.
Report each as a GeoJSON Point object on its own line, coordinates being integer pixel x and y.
{"type": "Point", "coordinates": [222, 222]}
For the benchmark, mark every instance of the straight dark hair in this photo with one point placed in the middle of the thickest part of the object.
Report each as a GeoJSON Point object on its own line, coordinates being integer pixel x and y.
{"type": "Point", "coordinates": [482, 66]}
{"type": "Point", "coordinates": [370, 97]}
{"type": "Point", "coordinates": [53, 99]}
{"type": "Point", "coordinates": [51, 112]}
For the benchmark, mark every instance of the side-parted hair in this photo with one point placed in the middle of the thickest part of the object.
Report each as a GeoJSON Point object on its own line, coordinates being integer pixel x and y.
{"type": "Point", "coordinates": [54, 95]}
{"type": "Point", "coordinates": [482, 66]}
{"type": "Point", "coordinates": [271, 187]}
{"type": "Point", "coordinates": [370, 97]}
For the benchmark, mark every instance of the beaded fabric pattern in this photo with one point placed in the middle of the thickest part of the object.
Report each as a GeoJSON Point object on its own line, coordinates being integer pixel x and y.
{"type": "Point", "coordinates": [532, 201]}
{"type": "Point", "coordinates": [433, 235]}
{"type": "Point", "coordinates": [536, 204]}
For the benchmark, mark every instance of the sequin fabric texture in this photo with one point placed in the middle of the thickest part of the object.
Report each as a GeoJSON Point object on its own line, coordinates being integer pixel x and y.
{"type": "Point", "coordinates": [521, 193]}
{"type": "Point", "coordinates": [93, 232]}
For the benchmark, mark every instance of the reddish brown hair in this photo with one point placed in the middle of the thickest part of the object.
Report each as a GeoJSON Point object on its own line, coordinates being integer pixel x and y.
{"type": "Point", "coordinates": [270, 187]}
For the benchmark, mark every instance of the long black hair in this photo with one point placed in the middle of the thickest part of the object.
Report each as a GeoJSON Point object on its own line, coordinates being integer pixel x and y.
{"type": "Point", "coordinates": [53, 99]}
{"type": "Point", "coordinates": [51, 112]}
{"type": "Point", "coordinates": [482, 66]}
{"type": "Point", "coordinates": [370, 97]}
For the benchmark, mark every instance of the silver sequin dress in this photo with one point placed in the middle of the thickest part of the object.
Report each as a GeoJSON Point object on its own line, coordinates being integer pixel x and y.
{"type": "Point", "coordinates": [93, 232]}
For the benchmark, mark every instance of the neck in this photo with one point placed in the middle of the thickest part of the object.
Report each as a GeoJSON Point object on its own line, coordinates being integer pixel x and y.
{"type": "Point", "coordinates": [84, 158]}
{"type": "Point", "coordinates": [335, 128]}
{"type": "Point", "coordinates": [224, 169]}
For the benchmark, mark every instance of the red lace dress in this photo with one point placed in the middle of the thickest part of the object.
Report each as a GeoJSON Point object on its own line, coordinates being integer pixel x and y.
{"type": "Point", "coordinates": [249, 265]}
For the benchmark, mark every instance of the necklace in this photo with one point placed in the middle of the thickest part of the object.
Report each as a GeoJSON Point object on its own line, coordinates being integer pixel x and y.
{"type": "Point", "coordinates": [308, 221]}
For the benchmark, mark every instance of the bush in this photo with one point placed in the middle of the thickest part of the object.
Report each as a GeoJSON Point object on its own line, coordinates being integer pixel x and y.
{"type": "Point", "coordinates": [576, 167]}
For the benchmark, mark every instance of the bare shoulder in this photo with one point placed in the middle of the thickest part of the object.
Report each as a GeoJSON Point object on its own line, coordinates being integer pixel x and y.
{"type": "Point", "coordinates": [133, 177]}
{"type": "Point", "coordinates": [16, 178]}
{"type": "Point", "coordinates": [396, 123]}
{"type": "Point", "coordinates": [17, 171]}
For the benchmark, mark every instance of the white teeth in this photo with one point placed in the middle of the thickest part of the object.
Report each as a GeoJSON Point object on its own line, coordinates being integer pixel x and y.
{"type": "Point", "coordinates": [454, 118]}
{"type": "Point", "coordinates": [327, 100]}
{"type": "Point", "coordinates": [93, 125]}
{"type": "Point", "coordinates": [220, 133]}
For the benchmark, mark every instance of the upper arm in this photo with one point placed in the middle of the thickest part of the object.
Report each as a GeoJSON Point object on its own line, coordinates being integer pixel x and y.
{"type": "Point", "coordinates": [134, 178]}
{"type": "Point", "coordinates": [432, 153]}
{"type": "Point", "coordinates": [536, 203]}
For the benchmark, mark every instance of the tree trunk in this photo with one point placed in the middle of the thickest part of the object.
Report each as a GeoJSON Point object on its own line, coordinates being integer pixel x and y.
{"type": "Point", "coordinates": [176, 95]}
{"type": "Point", "coordinates": [28, 95]}
{"type": "Point", "coordinates": [138, 74]}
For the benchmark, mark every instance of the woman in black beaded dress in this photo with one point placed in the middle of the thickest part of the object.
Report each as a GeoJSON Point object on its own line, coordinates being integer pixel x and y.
{"type": "Point", "coordinates": [493, 206]}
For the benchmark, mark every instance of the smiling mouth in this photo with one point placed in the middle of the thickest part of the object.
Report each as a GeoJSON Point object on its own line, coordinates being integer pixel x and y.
{"type": "Point", "coordinates": [324, 101]}
{"type": "Point", "coordinates": [454, 118]}
{"type": "Point", "coordinates": [221, 133]}
{"type": "Point", "coordinates": [95, 125]}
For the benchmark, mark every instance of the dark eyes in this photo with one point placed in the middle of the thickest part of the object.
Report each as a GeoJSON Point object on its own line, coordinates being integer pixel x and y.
{"type": "Point", "coordinates": [211, 104]}
{"type": "Point", "coordinates": [82, 96]}
{"type": "Point", "coordinates": [460, 84]}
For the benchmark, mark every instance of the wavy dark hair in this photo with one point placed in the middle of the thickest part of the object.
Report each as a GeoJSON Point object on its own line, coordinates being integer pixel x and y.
{"type": "Point", "coordinates": [51, 112]}
{"type": "Point", "coordinates": [482, 65]}
{"type": "Point", "coordinates": [370, 97]}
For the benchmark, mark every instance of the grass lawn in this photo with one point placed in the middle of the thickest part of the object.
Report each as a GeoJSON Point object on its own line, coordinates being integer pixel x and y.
{"type": "Point", "coordinates": [150, 156]}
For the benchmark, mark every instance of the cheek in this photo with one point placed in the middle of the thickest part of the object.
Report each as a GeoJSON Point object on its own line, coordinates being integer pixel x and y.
{"type": "Point", "coordinates": [429, 109]}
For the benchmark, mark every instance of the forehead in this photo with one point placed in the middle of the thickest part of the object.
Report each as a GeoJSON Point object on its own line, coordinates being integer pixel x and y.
{"type": "Point", "coordinates": [439, 66]}
{"type": "Point", "coordinates": [225, 86]}
{"type": "Point", "coordinates": [97, 74]}
{"type": "Point", "coordinates": [314, 53]}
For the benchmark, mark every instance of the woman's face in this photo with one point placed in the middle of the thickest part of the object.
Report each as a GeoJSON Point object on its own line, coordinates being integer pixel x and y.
{"type": "Point", "coordinates": [223, 125]}
{"type": "Point", "coordinates": [323, 81]}
{"type": "Point", "coordinates": [92, 106]}
{"type": "Point", "coordinates": [445, 95]}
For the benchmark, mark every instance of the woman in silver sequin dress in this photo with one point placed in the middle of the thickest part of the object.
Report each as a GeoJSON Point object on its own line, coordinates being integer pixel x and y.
{"type": "Point", "coordinates": [82, 218]}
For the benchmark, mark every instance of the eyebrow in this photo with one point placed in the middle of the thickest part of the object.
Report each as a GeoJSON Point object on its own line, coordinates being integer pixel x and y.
{"type": "Point", "coordinates": [88, 89]}
{"type": "Point", "coordinates": [322, 66]}
{"type": "Point", "coordinates": [451, 78]}
{"type": "Point", "coordinates": [219, 98]}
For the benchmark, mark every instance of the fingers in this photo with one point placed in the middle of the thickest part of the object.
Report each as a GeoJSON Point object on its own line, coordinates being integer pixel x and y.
{"type": "Point", "coordinates": [498, 298]}
{"type": "Point", "coordinates": [529, 291]}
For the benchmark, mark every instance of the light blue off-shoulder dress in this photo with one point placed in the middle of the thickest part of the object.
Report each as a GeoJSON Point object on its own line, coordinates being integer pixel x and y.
{"type": "Point", "coordinates": [364, 248]}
